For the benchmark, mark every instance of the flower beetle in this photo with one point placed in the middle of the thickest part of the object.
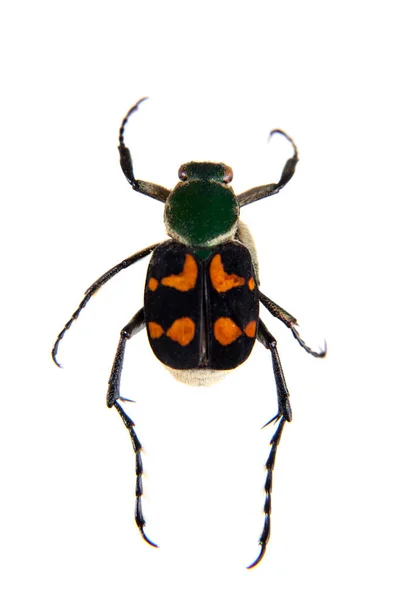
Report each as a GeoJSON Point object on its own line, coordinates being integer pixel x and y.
{"type": "Point", "coordinates": [202, 296]}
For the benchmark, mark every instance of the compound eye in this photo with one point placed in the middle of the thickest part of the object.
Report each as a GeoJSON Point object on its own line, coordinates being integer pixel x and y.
{"type": "Point", "coordinates": [182, 173]}
{"type": "Point", "coordinates": [228, 175]}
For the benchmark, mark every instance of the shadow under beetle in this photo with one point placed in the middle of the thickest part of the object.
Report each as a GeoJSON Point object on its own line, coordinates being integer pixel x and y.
{"type": "Point", "coordinates": [201, 299]}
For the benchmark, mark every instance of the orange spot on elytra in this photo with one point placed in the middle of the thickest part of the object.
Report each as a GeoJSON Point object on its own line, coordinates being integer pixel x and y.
{"type": "Point", "coordinates": [182, 331]}
{"type": "Point", "coordinates": [153, 284]}
{"type": "Point", "coordinates": [187, 279]}
{"type": "Point", "coordinates": [222, 281]}
{"type": "Point", "coordinates": [226, 331]}
{"type": "Point", "coordinates": [251, 284]}
{"type": "Point", "coordinates": [155, 330]}
{"type": "Point", "coordinates": [250, 329]}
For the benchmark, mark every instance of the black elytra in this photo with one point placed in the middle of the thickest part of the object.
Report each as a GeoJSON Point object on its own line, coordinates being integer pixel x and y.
{"type": "Point", "coordinates": [214, 315]}
{"type": "Point", "coordinates": [202, 296]}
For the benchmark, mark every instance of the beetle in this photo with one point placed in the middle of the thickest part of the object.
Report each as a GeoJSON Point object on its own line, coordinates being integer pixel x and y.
{"type": "Point", "coordinates": [202, 296]}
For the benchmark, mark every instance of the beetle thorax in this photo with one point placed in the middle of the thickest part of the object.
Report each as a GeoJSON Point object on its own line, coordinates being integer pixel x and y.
{"type": "Point", "coordinates": [202, 209]}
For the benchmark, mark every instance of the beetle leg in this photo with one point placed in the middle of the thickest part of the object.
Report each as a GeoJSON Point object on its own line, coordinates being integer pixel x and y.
{"type": "Point", "coordinates": [272, 188]}
{"type": "Point", "coordinates": [144, 187]}
{"type": "Point", "coordinates": [284, 414]}
{"type": "Point", "coordinates": [135, 325]}
{"type": "Point", "coordinates": [114, 398]}
{"type": "Point", "coordinates": [94, 288]}
{"type": "Point", "coordinates": [267, 340]}
{"type": "Point", "coordinates": [290, 321]}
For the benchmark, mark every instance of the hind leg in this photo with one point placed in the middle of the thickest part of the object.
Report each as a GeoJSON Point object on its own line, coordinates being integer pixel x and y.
{"type": "Point", "coordinates": [284, 414]}
{"type": "Point", "coordinates": [114, 398]}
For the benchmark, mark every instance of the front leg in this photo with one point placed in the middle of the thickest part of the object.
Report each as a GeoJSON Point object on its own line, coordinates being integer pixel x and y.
{"type": "Point", "coordinates": [114, 398]}
{"type": "Point", "coordinates": [284, 414]}
{"type": "Point", "coordinates": [263, 191]}
{"type": "Point", "coordinates": [144, 187]}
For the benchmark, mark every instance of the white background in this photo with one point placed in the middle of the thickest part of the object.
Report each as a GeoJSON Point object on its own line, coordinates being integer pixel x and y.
{"type": "Point", "coordinates": [219, 77]}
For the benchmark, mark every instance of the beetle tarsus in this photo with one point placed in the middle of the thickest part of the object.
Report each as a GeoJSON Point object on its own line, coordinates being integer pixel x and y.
{"type": "Point", "coordinates": [263, 191]}
{"type": "Point", "coordinates": [54, 354]}
{"type": "Point", "coordinates": [125, 159]}
{"type": "Point", "coordinates": [259, 557]}
{"type": "Point", "coordinates": [270, 464]}
{"type": "Point", "coordinates": [148, 540]}
{"type": "Point", "coordinates": [288, 319]}
{"type": "Point", "coordinates": [316, 353]}
{"type": "Point", "coordinates": [140, 522]}
{"type": "Point", "coordinates": [126, 118]}
{"type": "Point", "coordinates": [137, 448]}
{"type": "Point", "coordinates": [289, 139]}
